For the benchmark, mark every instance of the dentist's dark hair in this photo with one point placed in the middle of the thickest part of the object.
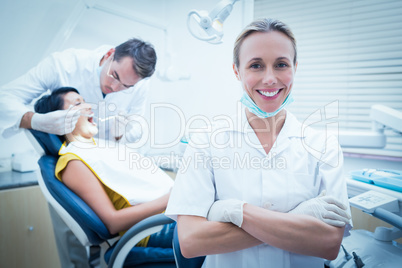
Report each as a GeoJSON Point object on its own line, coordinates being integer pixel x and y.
{"type": "Point", "coordinates": [142, 53]}
{"type": "Point", "coordinates": [53, 101]}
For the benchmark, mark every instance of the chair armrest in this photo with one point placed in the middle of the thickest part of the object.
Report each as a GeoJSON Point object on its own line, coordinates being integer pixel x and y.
{"type": "Point", "coordinates": [134, 235]}
{"type": "Point", "coordinates": [181, 261]}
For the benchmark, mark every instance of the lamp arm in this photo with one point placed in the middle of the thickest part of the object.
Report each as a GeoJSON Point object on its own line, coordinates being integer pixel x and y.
{"type": "Point", "coordinates": [222, 10]}
{"type": "Point", "coordinates": [384, 116]}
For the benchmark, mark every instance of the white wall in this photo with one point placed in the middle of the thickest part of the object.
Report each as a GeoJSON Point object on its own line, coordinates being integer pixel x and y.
{"type": "Point", "coordinates": [27, 29]}
{"type": "Point", "coordinates": [36, 28]}
{"type": "Point", "coordinates": [213, 88]}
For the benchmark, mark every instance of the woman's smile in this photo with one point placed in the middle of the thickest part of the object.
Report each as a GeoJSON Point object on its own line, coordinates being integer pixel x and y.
{"type": "Point", "coordinates": [269, 94]}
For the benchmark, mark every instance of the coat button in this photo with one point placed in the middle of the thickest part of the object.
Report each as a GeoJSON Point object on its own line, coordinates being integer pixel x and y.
{"type": "Point", "coordinates": [267, 205]}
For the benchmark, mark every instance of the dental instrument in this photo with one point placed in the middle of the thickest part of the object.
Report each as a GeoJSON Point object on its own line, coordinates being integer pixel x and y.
{"type": "Point", "coordinates": [105, 119]}
{"type": "Point", "coordinates": [98, 118]}
{"type": "Point", "coordinates": [316, 172]}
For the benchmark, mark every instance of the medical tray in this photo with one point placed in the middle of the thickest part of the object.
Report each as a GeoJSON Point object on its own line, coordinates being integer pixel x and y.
{"type": "Point", "coordinates": [390, 179]}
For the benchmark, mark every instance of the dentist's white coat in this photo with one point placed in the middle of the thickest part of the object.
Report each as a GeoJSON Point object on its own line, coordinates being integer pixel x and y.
{"type": "Point", "coordinates": [78, 68]}
{"type": "Point", "coordinates": [233, 165]}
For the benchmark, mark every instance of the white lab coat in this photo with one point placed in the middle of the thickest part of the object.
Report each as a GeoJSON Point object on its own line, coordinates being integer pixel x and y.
{"type": "Point", "coordinates": [78, 68]}
{"type": "Point", "coordinates": [240, 169]}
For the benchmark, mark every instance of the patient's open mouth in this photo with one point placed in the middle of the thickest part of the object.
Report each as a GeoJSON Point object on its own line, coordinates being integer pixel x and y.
{"type": "Point", "coordinates": [90, 118]}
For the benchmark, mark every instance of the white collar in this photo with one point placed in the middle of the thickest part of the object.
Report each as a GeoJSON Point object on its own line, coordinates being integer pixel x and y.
{"type": "Point", "coordinates": [291, 128]}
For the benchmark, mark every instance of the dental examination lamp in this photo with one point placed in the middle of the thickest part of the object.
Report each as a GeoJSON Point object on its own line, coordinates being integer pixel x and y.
{"type": "Point", "coordinates": [382, 117]}
{"type": "Point", "coordinates": [209, 27]}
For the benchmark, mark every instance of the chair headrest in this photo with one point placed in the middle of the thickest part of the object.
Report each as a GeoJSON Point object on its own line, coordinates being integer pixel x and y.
{"type": "Point", "coordinates": [49, 142]}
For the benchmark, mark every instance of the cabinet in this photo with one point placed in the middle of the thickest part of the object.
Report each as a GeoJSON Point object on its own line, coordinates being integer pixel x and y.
{"type": "Point", "coordinates": [26, 231]}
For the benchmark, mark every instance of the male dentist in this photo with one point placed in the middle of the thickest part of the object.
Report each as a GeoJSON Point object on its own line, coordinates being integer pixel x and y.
{"type": "Point", "coordinates": [108, 77]}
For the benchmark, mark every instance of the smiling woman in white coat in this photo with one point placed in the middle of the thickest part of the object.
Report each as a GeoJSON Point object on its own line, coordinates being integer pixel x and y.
{"type": "Point", "coordinates": [266, 192]}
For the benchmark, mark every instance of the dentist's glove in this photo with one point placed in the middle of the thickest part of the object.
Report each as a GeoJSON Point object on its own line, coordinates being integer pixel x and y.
{"type": "Point", "coordinates": [124, 130]}
{"type": "Point", "coordinates": [230, 210]}
{"type": "Point", "coordinates": [325, 208]}
{"type": "Point", "coordinates": [58, 122]}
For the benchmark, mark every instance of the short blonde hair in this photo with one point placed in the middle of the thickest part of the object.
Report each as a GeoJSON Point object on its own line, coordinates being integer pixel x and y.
{"type": "Point", "coordinates": [265, 26]}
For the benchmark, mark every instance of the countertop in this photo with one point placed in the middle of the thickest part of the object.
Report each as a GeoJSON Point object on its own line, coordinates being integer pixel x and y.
{"type": "Point", "coordinates": [15, 179]}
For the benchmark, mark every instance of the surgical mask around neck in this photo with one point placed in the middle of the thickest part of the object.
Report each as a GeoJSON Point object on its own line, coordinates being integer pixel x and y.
{"type": "Point", "coordinates": [253, 108]}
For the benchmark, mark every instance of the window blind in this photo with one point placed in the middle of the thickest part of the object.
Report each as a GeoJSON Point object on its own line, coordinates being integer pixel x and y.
{"type": "Point", "coordinates": [350, 57]}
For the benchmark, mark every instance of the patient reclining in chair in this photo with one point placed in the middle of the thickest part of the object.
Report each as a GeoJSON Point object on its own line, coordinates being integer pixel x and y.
{"type": "Point", "coordinates": [117, 188]}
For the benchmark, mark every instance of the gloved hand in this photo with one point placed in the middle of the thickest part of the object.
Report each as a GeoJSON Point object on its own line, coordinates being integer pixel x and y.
{"type": "Point", "coordinates": [325, 208]}
{"type": "Point", "coordinates": [58, 122]}
{"type": "Point", "coordinates": [229, 210]}
{"type": "Point", "coordinates": [123, 130]}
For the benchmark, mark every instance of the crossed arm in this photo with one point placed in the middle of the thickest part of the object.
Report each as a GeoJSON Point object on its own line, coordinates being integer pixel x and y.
{"type": "Point", "coordinates": [80, 179]}
{"type": "Point", "coordinates": [296, 233]}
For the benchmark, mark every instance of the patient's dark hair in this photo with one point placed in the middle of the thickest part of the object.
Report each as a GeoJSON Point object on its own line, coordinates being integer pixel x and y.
{"type": "Point", "coordinates": [54, 101]}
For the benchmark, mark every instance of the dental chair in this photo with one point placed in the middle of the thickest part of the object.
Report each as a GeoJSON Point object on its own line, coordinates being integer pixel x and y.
{"type": "Point", "coordinates": [87, 226]}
